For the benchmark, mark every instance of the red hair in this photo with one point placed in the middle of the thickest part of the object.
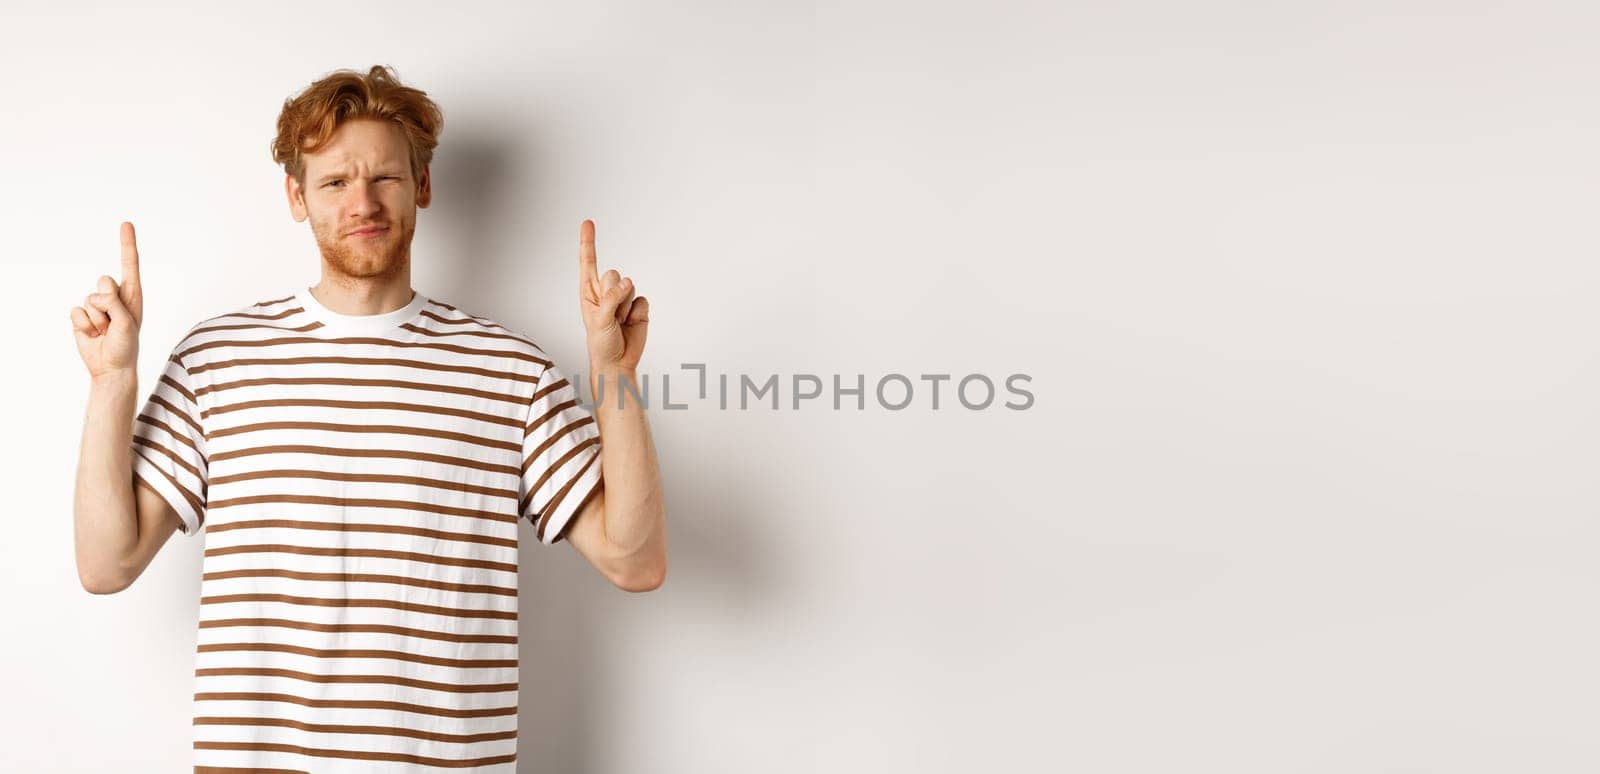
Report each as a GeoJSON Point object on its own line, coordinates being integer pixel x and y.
{"type": "Point", "coordinates": [310, 118]}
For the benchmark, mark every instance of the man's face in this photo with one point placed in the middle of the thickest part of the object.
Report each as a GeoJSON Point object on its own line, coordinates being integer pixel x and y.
{"type": "Point", "coordinates": [361, 198]}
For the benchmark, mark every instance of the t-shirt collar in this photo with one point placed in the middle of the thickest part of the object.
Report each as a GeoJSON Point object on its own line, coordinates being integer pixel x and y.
{"type": "Point", "coordinates": [359, 324]}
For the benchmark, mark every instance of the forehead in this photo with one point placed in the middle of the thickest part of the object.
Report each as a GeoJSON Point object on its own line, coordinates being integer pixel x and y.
{"type": "Point", "coordinates": [362, 144]}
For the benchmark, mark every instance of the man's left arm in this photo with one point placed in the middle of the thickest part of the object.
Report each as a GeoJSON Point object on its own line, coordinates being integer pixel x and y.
{"type": "Point", "coordinates": [621, 530]}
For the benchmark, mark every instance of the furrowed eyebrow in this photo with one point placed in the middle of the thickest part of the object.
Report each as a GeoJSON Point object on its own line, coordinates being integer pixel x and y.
{"type": "Point", "coordinates": [340, 176]}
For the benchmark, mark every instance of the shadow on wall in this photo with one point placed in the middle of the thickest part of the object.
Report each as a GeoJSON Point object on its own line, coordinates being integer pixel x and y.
{"type": "Point", "coordinates": [472, 177]}
{"type": "Point", "coordinates": [567, 611]}
{"type": "Point", "coordinates": [569, 617]}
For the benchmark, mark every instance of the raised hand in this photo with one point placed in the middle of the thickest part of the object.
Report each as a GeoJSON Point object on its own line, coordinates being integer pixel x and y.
{"type": "Point", "coordinates": [107, 325]}
{"type": "Point", "coordinates": [616, 320]}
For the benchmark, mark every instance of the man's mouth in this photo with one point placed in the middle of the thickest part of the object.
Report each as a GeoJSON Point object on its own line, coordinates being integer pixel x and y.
{"type": "Point", "coordinates": [369, 231]}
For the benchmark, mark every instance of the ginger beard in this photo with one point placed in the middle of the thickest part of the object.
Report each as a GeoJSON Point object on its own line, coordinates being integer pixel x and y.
{"type": "Point", "coordinates": [382, 256]}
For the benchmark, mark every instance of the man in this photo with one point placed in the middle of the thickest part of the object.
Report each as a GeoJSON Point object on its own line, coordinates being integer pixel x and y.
{"type": "Point", "coordinates": [361, 456]}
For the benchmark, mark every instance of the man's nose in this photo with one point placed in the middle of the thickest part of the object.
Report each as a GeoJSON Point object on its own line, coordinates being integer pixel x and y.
{"type": "Point", "coordinates": [364, 200]}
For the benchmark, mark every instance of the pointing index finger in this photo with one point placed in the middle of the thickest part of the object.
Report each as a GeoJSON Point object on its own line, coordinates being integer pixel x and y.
{"type": "Point", "coordinates": [130, 255]}
{"type": "Point", "coordinates": [132, 294]}
{"type": "Point", "coordinates": [586, 258]}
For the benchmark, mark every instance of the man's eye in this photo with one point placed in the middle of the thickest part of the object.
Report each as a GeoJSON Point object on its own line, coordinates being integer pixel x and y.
{"type": "Point", "coordinates": [332, 182]}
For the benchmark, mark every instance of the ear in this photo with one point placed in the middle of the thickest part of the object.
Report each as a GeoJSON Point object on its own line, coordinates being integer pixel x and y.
{"type": "Point", "coordinates": [297, 198]}
{"type": "Point", "coordinates": [424, 189]}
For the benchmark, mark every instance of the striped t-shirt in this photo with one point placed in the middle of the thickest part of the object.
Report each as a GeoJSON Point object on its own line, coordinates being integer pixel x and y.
{"type": "Point", "coordinates": [361, 480]}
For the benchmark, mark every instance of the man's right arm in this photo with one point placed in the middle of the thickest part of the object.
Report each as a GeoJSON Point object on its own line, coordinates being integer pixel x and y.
{"type": "Point", "coordinates": [118, 525]}
{"type": "Point", "coordinates": [119, 522]}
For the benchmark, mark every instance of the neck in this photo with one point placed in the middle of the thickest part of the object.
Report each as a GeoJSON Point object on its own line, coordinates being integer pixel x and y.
{"type": "Point", "coordinates": [363, 295]}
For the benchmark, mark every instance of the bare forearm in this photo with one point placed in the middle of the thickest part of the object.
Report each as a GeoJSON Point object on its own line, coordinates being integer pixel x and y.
{"type": "Point", "coordinates": [634, 508]}
{"type": "Point", "coordinates": [105, 524]}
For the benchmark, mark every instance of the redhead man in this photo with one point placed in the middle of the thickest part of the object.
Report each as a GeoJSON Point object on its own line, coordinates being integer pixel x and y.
{"type": "Point", "coordinates": [362, 458]}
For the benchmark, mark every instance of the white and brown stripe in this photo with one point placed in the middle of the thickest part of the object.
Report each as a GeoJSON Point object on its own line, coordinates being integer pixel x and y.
{"type": "Point", "coordinates": [362, 480]}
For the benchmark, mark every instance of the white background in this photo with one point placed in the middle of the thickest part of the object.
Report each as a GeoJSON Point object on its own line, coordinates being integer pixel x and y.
{"type": "Point", "coordinates": [1306, 291]}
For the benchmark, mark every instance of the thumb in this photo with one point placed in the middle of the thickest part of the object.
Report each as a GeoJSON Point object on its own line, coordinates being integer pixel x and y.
{"type": "Point", "coordinates": [110, 302]}
{"type": "Point", "coordinates": [637, 325]}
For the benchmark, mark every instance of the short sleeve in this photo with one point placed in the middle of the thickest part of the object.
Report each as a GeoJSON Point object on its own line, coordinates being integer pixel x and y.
{"type": "Point", "coordinates": [169, 445]}
{"type": "Point", "coordinates": [560, 457]}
